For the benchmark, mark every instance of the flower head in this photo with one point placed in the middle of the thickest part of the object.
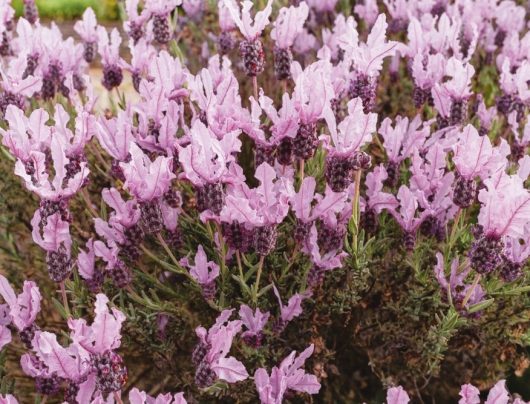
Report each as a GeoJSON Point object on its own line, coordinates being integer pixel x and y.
{"type": "Point", "coordinates": [289, 24]}
{"type": "Point", "coordinates": [87, 28]}
{"type": "Point", "coordinates": [288, 376]}
{"type": "Point", "coordinates": [249, 27]}
{"type": "Point", "coordinates": [147, 180]}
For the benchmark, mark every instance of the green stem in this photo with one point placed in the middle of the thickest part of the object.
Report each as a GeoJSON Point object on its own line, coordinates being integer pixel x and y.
{"type": "Point", "coordinates": [167, 249]}
{"type": "Point", "coordinates": [84, 194]}
{"type": "Point", "coordinates": [258, 278]}
{"type": "Point", "coordinates": [239, 266]}
{"type": "Point", "coordinates": [355, 207]}
{"type": "Point", "coordinates": [65, 299]}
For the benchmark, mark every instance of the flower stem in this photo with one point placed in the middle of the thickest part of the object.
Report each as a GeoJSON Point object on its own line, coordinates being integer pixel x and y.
{"type": "Point", "coordinates": [65, 299]}
{"type": "Point", "coordinates": [255, 85]}
{"type": "Point", "coordinates": [301, 171]}
{"type": "Point", "coordinates": [355, 207]}
{"type": "Point", "coordinates": [239, 266]}
{"type": "Point", "coordinates": [84, 194]}
{"type": "Point", "coordinates": [167, 249]}
{"type": "Point", "coordinates": [258, 278]}
{"type": "Point", "coordinates": [471, 290]}
{"type": "Point", "coordinates": [99, 156]}
{"type": "Point", "coordinates": [456, 221]}
{"type": "Point", "coordinates": [222, 252]}
{"type": "Point", "coordinates": [117, 398]}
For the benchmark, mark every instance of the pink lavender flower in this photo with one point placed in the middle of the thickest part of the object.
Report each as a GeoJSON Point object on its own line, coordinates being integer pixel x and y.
{"type": "Point", "coordinates": [322, 6]}
{"type": "Point", "coordinates": [251, 28]}
{"type": "Point", "coordinates": [147, 180]}
{"type": "Point", "coordinates": [458, 89]}
{"type": "Point", "coordinates": [367, 59]}
{"type": "Point", "coordinates": [160, 11]}
{"type": "Point", "coordinates": [397, 395]}
{"type": "Point", "coordinates": [142, 55]}
{"type": "Point", "coordinates": [134, 24]}
{"type": "Point", "coordinates": [266, 206]}
{"type": "Point", "coordinates": [406, 217]}
{"type": "Point", "coordinates": [16, 85]}
{"type": "Point", "coordinates": [312, 99]}
{"type": "Point", "coordinates": [368, 11]}
{"type": "Point", "coordinates": [251, 49]}
{"type": "Point", "coordinates": [474, 156]}
{"type": "Point", "coordinates": [193, 8]}
{"type": "Point", "coordinates": [109, 49]}
{"type": "Point", "coordinates": [285, 124]}
{"type": "Point", "coordinates": [322, 263]}
{"type": "Point", "coordinates": [87, 29]}
{"type": "Point", "coordinates": [470, 394]}
{"type": "Point", "coordinates": [115, 135]}
{"type": "Point", "coordinates": [401, 141]}
{"type": "Point", "coordinates": [89, 363]}
{"type": "Point", "coordinates": [289, 24]}
{"type": "Point", "coordinates": [119, 272]}
{"type": "Point", "coordinates": [301, 204]}
{"type": "Point", "coordinates": [54, 237]}
{"type": "Point", "coordinates": [463, 295]}
{"type": "Point", "coordinates": [30, 45]}
{"type": "Point", "coordinates": [497, 395]}
{"type": "Point", "coordinates": [26, 134]}
{"type": "Point", "coordinates": [140, 397]}
{"type": "Point", "coordinates": [427, 70]}
{"type": "Point", "coordinates": [86, 266]}
{"type": "Point", "coordinates": [210, 354]}
{"type": "Point", "coordinates": [486, 117]}
{"type": "Point", "coordinates": [21, 311]}
{"type": "Point", "coordinates": [504, 212]}
{"type": "Point", "coordinates": [203, 271]}
{"type": "Point", "coordinates": [8, 399]}
{"type": "Point", "coordinates": [169, 73]}
{"type": "Point", "coordinates": [514, 257]}
{"type": "Point", "coordinates": [289, 312]}
{"type": "Point", "coordinates": [376, 200]}
{"type": "Point", "coordinates": [254, 322]}
{"type": "Point", "coordinates": [226, 41]}
{"type": "Point", "coordinates": [287, 27]}
{"type": "Point", "coordinates": [287, 376]}
{"type": "Point", "coordinates": [353, 132]}
{"type": "Point", "coordinates": [206, 164]}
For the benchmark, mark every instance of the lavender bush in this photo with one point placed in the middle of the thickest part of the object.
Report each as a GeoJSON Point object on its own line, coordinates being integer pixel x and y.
{"type": "Point", "coordinates": [317, 201]}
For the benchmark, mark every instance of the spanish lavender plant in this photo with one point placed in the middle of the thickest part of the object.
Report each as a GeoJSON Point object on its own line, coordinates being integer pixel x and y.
{"type": "Point", "coordinates": [207, 181]}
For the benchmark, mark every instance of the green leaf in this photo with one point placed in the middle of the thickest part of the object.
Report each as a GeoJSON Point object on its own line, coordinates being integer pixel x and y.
{"type": "Point", "coordinates": [481, 306]}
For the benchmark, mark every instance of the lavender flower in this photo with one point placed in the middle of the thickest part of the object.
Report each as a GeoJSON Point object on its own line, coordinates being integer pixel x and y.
{"type": "Point", "coordinates": [288, 376]}
{"type": "Point", "coordinates": [87, 29]}
{"type": "Point", "coordinates": [210, 355]}
{"type": "Point", "coordinates": [204, 272]}
{"type": "Point", "coordinates": [254, 322]}
{"type": "Point", "coordinates": [251, 49]}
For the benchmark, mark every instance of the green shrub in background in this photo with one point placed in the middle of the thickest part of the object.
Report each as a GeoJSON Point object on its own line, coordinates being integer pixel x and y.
{"type": "Point", "coordinates": [71, 9]}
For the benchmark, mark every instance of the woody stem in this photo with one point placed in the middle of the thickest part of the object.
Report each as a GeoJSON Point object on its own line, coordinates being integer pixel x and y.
{"type": "Point", "coordinates": [471, 290]}
{"type": "Point", "coordinates": [65, 299]}
{"type": "Point", "coordinates": [167, 249]}
{"type": "Point", "coordinates": [355, 206]}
